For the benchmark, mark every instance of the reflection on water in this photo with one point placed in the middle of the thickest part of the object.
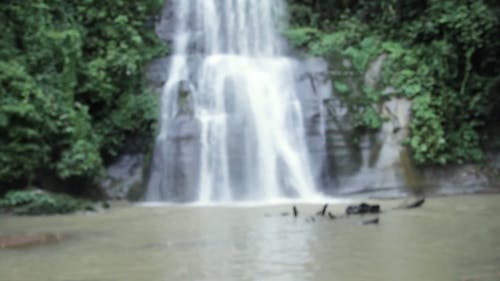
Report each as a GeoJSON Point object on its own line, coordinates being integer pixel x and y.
{"type": "Point", "coordinates": [455, 238]}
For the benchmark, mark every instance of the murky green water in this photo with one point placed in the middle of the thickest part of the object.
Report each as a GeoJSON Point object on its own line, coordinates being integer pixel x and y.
{"type": "Point", "coordinates": [454, 238]}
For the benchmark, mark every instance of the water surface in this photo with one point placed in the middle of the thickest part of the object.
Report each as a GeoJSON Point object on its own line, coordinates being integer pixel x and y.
{"type": "Point", "coordinates": [453, 238]}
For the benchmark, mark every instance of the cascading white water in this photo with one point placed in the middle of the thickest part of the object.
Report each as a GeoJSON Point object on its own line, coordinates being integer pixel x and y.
{"type": "Point", "coordinates": [230, 80]}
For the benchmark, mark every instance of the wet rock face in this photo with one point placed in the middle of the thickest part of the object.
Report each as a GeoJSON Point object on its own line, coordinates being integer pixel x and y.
{"type": "Point", "coordinates": [313, 88]}
{"type": "Point", "coordinates": [165, 26]}
{"type": "Point", "coordinates": [157, 73]}
{"type": "Point", "coordinates": [454, 179]}
{"type": "Point", "coordinates": [176, 162]}
{"type": "Point", "coordinates": [379, 163]}
{"type": "Point", "coordinates": [180, 162]}
{"type": "Point", "coordinates": [375, 161]}
{"type": "Point", "coordinates": [180, 156]}
{"type": "Point", "coordinates": [124, 179]}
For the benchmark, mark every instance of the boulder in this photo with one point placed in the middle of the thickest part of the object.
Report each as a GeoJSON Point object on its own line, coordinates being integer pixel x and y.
{"type": "Point", "coordinates": [362, 209]}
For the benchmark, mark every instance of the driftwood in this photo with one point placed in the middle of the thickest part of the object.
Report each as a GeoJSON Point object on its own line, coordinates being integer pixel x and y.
{"type": "Point", "coordinates": [359, 209]}
{"type": "Point", "coordinates": [323, 211]}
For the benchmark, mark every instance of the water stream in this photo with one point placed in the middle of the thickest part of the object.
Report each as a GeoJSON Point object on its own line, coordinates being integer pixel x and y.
{"type": "Point", "coordinates": [230, 80]}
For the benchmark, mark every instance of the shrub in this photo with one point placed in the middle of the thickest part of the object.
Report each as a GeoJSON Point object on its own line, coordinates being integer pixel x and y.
{"type": "Point", "coordinates": [38, 202]}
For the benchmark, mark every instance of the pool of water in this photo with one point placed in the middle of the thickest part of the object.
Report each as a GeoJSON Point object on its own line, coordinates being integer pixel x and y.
{"type": "Point", "coordinates": [449, 238]}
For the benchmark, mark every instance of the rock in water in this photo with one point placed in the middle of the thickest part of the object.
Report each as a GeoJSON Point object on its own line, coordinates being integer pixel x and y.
{"type": "Point", "coordinates": [362, 208]}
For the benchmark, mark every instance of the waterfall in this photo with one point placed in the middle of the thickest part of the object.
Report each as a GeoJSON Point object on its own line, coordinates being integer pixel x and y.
{"type": "Point", "coordinates": [231, 124]}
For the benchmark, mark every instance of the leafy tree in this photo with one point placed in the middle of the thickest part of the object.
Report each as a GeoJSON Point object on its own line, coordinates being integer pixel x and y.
{"type": "Point", "coordinates": [443, 54]}
{"type": "Point", "coordinates": [72, 87]}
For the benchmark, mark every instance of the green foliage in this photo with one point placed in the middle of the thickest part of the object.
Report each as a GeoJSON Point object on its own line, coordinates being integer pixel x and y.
{"type": "Point", "coordinates": [344, 46]}
{"type": "Point", "coordinates": [301, 37]}
{"type": "Point", "coordinates": [303, 15]}
{"type": "Point", "coordinates": [71, 85]}
{"type": "Point", "coordinates": [442, 54]}
{"type": "Point", "coordinates": [430, 142]}
{"type": "Point", "coordinates": [341, 87]}
{"type": "Point", "coordinates": [38, 202]}
{"type": "Point", "coordinates": [329, 44]}
{"type": "Point", "coordinates": [367, 117]}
